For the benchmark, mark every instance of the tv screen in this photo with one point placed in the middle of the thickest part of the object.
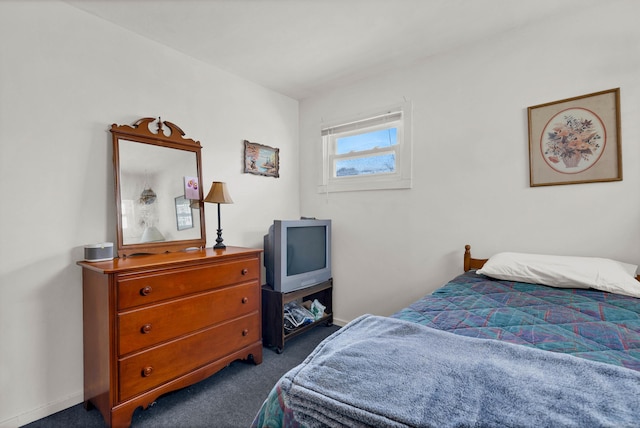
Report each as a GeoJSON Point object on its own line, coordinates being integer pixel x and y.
{"type": "Point", "coordinates": [297, 253]}
{"type": "Point", "coordinates": [306, 249]}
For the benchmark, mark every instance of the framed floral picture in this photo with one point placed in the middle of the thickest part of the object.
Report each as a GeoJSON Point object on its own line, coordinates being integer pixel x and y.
{"type": "Point", "coordinates": [261, 160]}
{"type": "Point", "coordinates": [576, 140]}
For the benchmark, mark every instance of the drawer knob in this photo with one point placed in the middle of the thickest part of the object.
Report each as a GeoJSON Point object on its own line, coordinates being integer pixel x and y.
{"type": "Point", "coordinates": [146, 290]}
{"type": "Point", "coordinates": [245, 299]}
{"type": "Point", "coordinates": [146, 329]}
{"type": "Point", "coordinates": [245, 332]}
{"type": "Point", "coordinates": [147, 371]}
{"type": "Point", "coordinates": [245, 271]}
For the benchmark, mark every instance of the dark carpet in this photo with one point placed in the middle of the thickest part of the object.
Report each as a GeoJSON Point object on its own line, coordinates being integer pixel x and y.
{"type": "Point", "coordinates": [228, 399]}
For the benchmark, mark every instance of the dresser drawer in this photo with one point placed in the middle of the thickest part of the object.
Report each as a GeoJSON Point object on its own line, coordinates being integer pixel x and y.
{"type": "Point", "coordinates": [143, 327]}
{"type": "Point", "coordinates": [148, 369]}
{"type": "Point", "coordinates": [142, 289]}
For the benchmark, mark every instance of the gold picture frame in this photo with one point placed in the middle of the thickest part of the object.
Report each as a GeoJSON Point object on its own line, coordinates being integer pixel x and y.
{"type": "Point", "coordinates": [261, 160]}
{"type": "Point", "coordinates": [576, 140]}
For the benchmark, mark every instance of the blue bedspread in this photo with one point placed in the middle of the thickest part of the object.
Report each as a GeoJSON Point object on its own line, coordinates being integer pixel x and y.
{"type": "Point", "coordinates": [589, 324]}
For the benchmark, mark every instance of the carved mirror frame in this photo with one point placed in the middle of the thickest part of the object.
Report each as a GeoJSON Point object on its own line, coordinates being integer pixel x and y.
{"type": "Point", "coordinates": [141, 133]}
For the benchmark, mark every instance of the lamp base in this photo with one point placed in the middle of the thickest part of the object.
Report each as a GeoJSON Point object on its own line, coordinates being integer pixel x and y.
{"type": "Point", "coordinates": [219, 240]}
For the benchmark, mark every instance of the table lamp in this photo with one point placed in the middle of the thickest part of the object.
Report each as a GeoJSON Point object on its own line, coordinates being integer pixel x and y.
{"type": "Point", "coordinates": [219, 195]}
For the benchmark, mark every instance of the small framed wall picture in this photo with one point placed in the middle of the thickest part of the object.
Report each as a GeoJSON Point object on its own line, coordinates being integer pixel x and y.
{"type": "Point", "coordinates": [261, 160]}
{"type": "Point", "coordinates": [576, 140]}
{"type": "Point", "coordinates": [184, 213]}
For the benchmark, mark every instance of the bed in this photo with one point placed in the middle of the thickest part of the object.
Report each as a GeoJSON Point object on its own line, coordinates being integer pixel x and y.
{"type": "Point", "coordinates": [516, 340]}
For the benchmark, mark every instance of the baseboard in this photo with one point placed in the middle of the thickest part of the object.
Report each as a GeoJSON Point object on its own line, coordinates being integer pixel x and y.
{"type": "Point", "coordinates": [43, 411]}
{"type": "Point", "coordinates": [339, 322]}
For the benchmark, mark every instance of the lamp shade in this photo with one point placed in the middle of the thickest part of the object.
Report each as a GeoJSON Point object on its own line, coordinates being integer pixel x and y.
{"type": "Point", "coordinates": [151, 234]}
{"type": "Point", "coordinates": [219, 194]}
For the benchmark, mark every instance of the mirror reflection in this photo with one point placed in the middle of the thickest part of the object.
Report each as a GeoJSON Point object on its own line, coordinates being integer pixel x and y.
{"type": "Point", "coordinates": [158, 199]}
{"type": "Point", "coordinates": [152, 193]}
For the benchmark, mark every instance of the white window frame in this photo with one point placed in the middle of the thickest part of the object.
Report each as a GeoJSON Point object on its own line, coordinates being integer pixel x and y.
{"type": "Point", "coordinates": [399, 117]}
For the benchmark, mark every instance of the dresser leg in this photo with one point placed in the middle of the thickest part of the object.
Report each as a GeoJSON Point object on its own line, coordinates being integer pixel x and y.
{"type": "Point", "coordinates": [256, 355]}
{"type": "Point", "coordinates": [121, 419]}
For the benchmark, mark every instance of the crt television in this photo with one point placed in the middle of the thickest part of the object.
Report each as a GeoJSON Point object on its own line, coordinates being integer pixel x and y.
{"type": "Point", "coordinates": [297, 254]}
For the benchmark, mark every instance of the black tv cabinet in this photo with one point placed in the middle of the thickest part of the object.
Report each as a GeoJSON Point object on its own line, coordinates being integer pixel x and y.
{"type": "Point", "coordinates": [273, 332]}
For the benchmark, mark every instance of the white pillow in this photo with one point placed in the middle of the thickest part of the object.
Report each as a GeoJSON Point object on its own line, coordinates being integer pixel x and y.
{"type": "Point", "coordinates": [564, 271]}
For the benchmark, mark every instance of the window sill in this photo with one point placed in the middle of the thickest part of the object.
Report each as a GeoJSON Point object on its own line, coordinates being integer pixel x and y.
{"type": "Point", "coordinates": [368, 185]}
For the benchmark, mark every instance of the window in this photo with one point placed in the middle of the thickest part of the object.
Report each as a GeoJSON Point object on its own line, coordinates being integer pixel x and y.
{"type": "Point", "coordinates": [372, 152]}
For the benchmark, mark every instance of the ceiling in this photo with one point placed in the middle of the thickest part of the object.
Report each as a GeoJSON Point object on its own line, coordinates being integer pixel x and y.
{"type": "Point", "coordinates": [305, 47]}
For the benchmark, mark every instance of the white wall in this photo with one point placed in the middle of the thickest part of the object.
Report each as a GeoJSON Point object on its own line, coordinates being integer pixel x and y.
{"type": "Point", "coordinates": [65, 77]}
{"type": "Point", "coordinates": [471, 173]}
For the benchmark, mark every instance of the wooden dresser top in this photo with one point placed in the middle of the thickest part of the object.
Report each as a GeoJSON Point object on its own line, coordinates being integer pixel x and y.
{"type": "Point", "coordinates": [195, 257]}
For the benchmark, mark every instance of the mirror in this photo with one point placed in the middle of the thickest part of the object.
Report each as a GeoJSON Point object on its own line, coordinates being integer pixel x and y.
{"type": "Point", "coordinates": [158, 184]}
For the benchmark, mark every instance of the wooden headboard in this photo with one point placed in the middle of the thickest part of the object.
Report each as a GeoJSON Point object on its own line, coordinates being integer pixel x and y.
{"type": "Point", "coordinates": [471, 263]}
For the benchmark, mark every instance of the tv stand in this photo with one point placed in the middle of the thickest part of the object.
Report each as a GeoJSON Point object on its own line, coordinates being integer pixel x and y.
{"type": "Point", "coordinates": [273, 302]}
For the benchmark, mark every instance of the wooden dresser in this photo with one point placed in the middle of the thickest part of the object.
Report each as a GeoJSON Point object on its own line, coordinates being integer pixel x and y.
{"type": "Point", "coordinates": [157, 323]}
